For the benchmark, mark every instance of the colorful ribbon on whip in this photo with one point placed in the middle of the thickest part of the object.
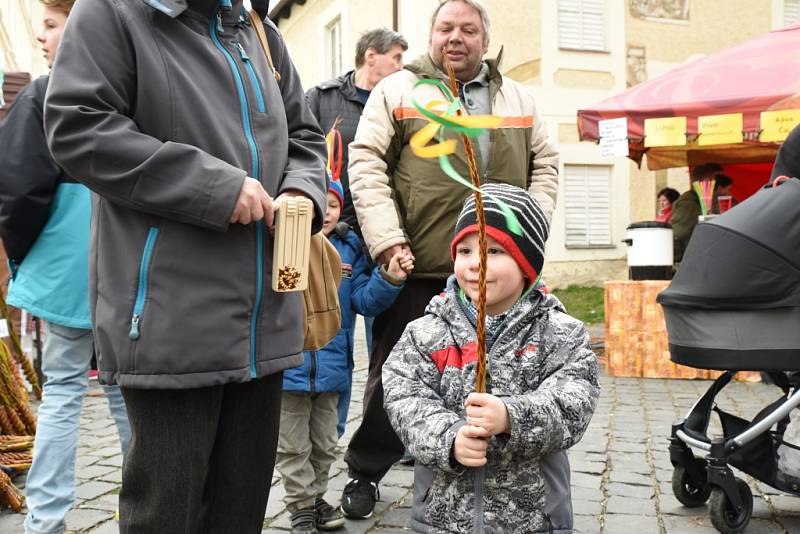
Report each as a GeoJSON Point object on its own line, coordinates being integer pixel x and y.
{"type": "Point", "coordinates": [443, 116]}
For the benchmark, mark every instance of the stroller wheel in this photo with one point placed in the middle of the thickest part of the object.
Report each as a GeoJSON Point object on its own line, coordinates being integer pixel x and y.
{"type": "Point", "coordinates": [687, 491]}
{"type": "Point", "coordinates": [724, 516]}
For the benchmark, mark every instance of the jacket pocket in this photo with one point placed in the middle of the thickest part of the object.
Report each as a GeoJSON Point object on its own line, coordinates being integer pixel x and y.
{"type": "Point", "coordinates": [423, 491]}
{"type": "Point", "coordinates": [142, 286]}
{"type": "Point", "coordinates": [251, 75]}
{"type": "Point", "coordinates": [66, 332]}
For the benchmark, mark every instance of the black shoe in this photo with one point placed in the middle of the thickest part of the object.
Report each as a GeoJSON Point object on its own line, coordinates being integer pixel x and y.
{"type": "Point", "coordinates": [304, 521]}
{"type": "Point", "coordinates": [358, 498]}
{"type": "Point", "coordinates": [328, 517]}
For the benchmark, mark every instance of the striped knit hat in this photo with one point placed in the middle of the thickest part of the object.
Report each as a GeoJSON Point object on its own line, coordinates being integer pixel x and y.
{"type": "Point", "coordinates": [526, 249]}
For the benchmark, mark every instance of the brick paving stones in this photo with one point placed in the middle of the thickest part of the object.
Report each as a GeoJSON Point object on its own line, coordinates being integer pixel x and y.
{"type": "Point", "coordinates": [621, 470]}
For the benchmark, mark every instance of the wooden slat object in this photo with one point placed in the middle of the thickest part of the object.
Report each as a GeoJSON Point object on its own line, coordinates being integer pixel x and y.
{"type": "Point", "coordinates": [636, 336]}
{"type": "Point", "coordinates": [292, 245]}
{"type": "Point", "coordinates": [13, 83]}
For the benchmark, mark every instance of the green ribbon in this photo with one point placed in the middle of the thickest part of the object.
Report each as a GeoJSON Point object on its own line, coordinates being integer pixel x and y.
{"type": "Point", "coordinates": [444, 161]}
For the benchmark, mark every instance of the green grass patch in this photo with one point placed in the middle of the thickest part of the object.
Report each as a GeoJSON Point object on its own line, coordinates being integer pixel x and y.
{"type": "Point", "coordinates": [584, 303]}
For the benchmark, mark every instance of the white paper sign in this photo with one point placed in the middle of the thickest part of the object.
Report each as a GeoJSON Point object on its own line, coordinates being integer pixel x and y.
{"type": "Point", "coordinates": [613, 137]}
{"type": "Point", "coordinates": [3, 328]}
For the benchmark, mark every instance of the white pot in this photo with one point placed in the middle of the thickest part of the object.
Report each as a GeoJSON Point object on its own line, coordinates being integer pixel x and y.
{"type": "Point", "coordinates": [649, 244]}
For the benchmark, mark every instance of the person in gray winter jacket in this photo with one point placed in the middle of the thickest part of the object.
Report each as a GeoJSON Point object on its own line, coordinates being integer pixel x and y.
{"type": "Point", "coordinates": [493, 462]}
{"type": "Point", "coordinates": [170, 113]}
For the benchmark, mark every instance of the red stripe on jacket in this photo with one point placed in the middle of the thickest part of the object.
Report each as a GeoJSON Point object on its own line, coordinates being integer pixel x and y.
{"type": "Point", "coordinates": [454, 356]}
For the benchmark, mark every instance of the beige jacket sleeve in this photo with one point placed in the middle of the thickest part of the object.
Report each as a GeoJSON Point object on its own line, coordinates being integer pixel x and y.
{"type": "Point", "coordinates": [544, 177]}
{"type": "Point", "coordinates": [370, 185]}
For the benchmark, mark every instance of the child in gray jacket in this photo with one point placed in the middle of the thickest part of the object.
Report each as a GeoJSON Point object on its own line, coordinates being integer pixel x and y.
{"type": "Point", "coordinates": [495, 461]}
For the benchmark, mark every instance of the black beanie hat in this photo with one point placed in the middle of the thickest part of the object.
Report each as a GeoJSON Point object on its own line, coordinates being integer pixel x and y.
{"type": "Point", "coordinates": [526, 249]}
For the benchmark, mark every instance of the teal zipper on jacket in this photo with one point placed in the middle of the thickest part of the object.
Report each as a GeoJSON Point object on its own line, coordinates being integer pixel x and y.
{"type": "Point", "coordinates": [141, 291]}
{"type": "Point", "coordinates": [251, 73]}
{"type": "Point", "coordinates": [216, 29]}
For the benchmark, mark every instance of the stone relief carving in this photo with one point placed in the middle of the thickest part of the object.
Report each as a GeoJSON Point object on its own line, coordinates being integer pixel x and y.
{"type": "Point", "coordinates": [636, 62]}
{"type": "Point", "coordinates": [660, 9]}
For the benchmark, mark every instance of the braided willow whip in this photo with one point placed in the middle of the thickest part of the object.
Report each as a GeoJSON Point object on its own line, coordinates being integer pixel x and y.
{"type": "Point", "coordinates": [447, 116]}
{"type": "Point", "coordinates": [15, 414]}
{"type": "Point", "coordinates": [15, 443]}
{"type": "Point", "coordinates": [9, 494]}
{"type": "Point", "coordinates": [15, 454]}
{"type": "Point", "coordinates": [480, 327]}
{"type": "Point", "coordinates": [19, 356]}
{"type": "Point", "coordinates": [18, 461]}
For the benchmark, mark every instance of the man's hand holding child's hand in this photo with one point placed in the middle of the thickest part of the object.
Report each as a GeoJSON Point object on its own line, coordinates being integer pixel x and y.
{"type": "Point", "coordinates": [401, 264]}
{"type": "Point", "coordinates": [385, 257]}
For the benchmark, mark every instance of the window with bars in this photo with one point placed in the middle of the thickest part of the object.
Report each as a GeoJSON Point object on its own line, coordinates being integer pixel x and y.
{"type": "Point", "coordinates": [333, 43]}
{"type": "Point", "coordinates": [587, 204]}
{"type": "Point", "coordinates": [581, 25]}
{"type": "Point", "coordinates": [791, 12]}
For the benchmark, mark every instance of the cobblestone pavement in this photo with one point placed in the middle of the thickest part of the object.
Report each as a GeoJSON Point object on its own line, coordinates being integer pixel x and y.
{"type": "Point", "coordinates": [620, 470]}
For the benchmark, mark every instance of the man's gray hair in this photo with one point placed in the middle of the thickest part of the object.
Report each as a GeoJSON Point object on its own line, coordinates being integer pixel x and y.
{"type": "Point", "coordinates": [477, 5]}
{"type": "Point", "coordinates": [381, 40]}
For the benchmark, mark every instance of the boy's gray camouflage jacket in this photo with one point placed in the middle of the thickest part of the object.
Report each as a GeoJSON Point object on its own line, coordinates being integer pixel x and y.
{"type": "Point", "coordinates": [542, 368]}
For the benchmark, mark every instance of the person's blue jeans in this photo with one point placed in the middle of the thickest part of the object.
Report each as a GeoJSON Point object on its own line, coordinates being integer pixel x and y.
{"type": "Point", "coordinates": [50, 486]}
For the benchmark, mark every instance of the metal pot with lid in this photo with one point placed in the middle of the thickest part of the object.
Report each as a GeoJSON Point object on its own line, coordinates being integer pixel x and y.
{"type": "Point", "coordinates": [649, 250]}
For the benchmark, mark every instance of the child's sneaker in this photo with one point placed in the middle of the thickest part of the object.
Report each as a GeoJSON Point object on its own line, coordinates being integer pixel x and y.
{"type": "Point", "coordinates": [304, 521]}
{"type": "Point", "coordinates": [328, 517]}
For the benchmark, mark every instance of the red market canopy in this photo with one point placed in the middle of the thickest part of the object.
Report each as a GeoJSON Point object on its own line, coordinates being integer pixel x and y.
{"type": "Point", "coordinates": [762, 74]}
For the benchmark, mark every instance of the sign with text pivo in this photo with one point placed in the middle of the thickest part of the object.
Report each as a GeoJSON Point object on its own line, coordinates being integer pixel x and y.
{"type": "Point", "coordinates": [776, 125]}
{"type": "Point", "coordinates": [720, 129]}
{"type": "Point", "coordinates": [670, 131]}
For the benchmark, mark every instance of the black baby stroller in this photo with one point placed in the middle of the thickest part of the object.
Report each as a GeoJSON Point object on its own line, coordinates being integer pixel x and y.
{"type": "Point", "coordinates": [734, 305]}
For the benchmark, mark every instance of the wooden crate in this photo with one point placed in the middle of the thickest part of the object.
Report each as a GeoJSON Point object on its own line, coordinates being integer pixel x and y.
{"type": "Point", "coordinates": [619, 347]}
{"type": "Point", "coordinates": [636, 341]}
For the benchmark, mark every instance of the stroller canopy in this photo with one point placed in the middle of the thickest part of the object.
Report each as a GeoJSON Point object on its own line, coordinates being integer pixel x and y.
{"type": "Point", "coordinates": [745, 259]}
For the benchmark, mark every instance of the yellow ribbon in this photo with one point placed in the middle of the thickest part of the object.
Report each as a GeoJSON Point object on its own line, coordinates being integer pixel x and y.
{"type": "Point", "coordinates": [444, 115]}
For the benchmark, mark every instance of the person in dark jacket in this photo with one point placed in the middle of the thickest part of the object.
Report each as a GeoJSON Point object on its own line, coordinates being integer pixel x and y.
{"type": "Point", "coordinates": [686, 210]}
{"type": "Point", "coordinates": [315, 394]}
{"type": "Point", "coordinates": [44, 223]}
{"type": "Point", "coordinates": [339, 102]}
{"type": "Point", "coordinates": [171, 114]}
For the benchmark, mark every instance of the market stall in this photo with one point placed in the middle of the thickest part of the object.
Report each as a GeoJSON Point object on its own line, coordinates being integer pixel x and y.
{"type": "Point", "coordinates": [733, 107]}
{"type": "Point", "coordinates": [755, 85]}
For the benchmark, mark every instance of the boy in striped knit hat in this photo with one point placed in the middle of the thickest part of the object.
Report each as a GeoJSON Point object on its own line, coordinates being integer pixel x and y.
{"type": "Point", "coordinates": [495, 461]}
